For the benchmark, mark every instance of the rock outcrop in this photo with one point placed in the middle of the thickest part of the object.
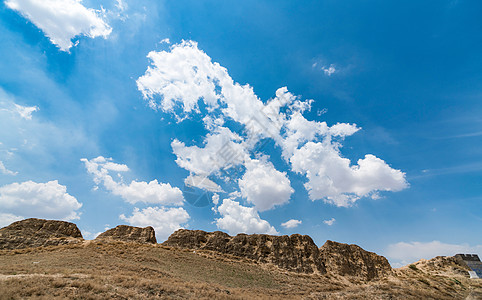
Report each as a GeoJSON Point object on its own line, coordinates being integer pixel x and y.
{"type": "Point", "coordinates": [129, 234]}
{"type": "Point", "coordinates": [294, 253]}
{"type": "Point", "coordinates": [32, 232]}
{"type": "Point", "coordinates": [297, 253]}
{"type": "Point", "coordinates": [352, 260]}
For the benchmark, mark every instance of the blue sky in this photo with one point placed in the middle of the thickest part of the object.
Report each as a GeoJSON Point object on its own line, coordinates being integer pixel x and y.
{"type": "Point", "coordinates": [94, 131]}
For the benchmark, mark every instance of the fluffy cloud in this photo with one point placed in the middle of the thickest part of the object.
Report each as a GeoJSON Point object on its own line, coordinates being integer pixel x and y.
{"type": "Point", "coordinates": [41, 200]}
{"type": "Point", "coordinates": [164, 220]}
{"type": "Point", "coordinates": [136, 191]}
{"type": "Point", "coordinates": [299, 131]}
{"type": "Point", "coordinates": [185, 75]}
{"type": "Point", "coordinates": [404, 253]}
{"type": "Point", "coordinates": [291, 223]}
{"type": "Point", "coordinates": [222, 149]}
{"type": "Point", "coordinates": [329, 222]}
{"type": "Point", "coordinates": [178, 80]}
{"type": "Point", "coordinates": [331, 177]}
{"type": "Point", "coordinates": [264, 186]}
{"type": "Point", "coordinates": [240, 219]}
{"type": "Point", "coordinates": [62, 20]}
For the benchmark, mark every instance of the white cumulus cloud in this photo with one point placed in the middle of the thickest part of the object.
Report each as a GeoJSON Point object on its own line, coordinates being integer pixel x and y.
{"type": "Point", "coordinates": [186, 74]}
{"type": "Point", "coordinates": [221, 149]}
{"type": "Point", "coordinates": [241, 219]}
{"type": "Point", "coordinates": [164, 220]}
{"type": "Point", "coordinates": [291, 223]}
{"type": "Point", "coordinates": [137, 191]}
{"type": "Point", "coordinates": [182, 78]}
{"type": "Point", "coordinates": [30, 199]}
{"type": "Point", "coordinates": [62, 20]}
{"type": "Point", "coordinates": [333, 178]}
{"type": "Point", "coordinates": [264, 186]}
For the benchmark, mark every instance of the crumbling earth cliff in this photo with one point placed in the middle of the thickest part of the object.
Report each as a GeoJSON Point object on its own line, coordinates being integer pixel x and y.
{"type": "Point", "coordinates": [32, 232]}
{"type": "Point", "coordinates": [296, 252]}
{"type": "Point", "coordinates": [129, 234]}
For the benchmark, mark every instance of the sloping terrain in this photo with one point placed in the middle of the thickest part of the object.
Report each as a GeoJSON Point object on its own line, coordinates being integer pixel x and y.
{"type": "Point", "coordinates": [126, 263]}
{"type": "Point", "coordinates": [122, 270]}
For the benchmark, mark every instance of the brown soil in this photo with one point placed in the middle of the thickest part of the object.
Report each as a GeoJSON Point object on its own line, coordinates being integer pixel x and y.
{"type": "Point", "coordinates": [122, 270]}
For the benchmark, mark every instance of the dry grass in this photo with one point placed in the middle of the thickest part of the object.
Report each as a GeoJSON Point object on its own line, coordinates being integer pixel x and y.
{"type": "Point", "coordinates": [116, 270]}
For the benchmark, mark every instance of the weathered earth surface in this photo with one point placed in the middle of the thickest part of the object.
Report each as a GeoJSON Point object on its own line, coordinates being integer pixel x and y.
{"type": "Point", "coordinates": [32, 232]}
{"type": "Point", "coordinates": [129, 234]}
{"type": "Point", "coordinates": [294, 253]}
{"type": "Point", "coordinates": [226, 267]}
{"type": "Point", "coordinates": [442, 265]}
{"type": "Point", "coordinates": [352, 260]}
{"type": "Point", "coordinates": [126, 270]}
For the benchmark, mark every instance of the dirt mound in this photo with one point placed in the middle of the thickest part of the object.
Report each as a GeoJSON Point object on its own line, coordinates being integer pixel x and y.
{"type": "Point", "coordinates": [441, 265]}
{"type": "Point", "coordinates": [352, 260]}
{"type": "Point", "coordinates": [295, 253]}
{"type": "Point", "coordinates": [38, 232]}
{"type": "Point", "coordinates": [130, 234]}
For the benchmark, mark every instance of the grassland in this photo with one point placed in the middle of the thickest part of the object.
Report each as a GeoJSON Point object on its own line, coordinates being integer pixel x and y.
{"type": "Point", "coordinates": [118, 270]}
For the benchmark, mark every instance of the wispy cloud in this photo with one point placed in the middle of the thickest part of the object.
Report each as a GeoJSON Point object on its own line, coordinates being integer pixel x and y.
{"type": "Point", "coordinates": [460, 169]}
{"type": "Point", "coordinates": [6, 171]}
{"type": "Point", "coordinates": [25, 111]}
{"type": "Point", "coordinates": [329, 70]}
{"type": "Point", "coordinates": [462, 135]}
{"type": "Point", "coordinates": [330, 221]}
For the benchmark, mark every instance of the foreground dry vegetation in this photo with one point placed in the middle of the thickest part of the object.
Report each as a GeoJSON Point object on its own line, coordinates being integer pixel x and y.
{"type": "Point", "coordinates": [122, 270]}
